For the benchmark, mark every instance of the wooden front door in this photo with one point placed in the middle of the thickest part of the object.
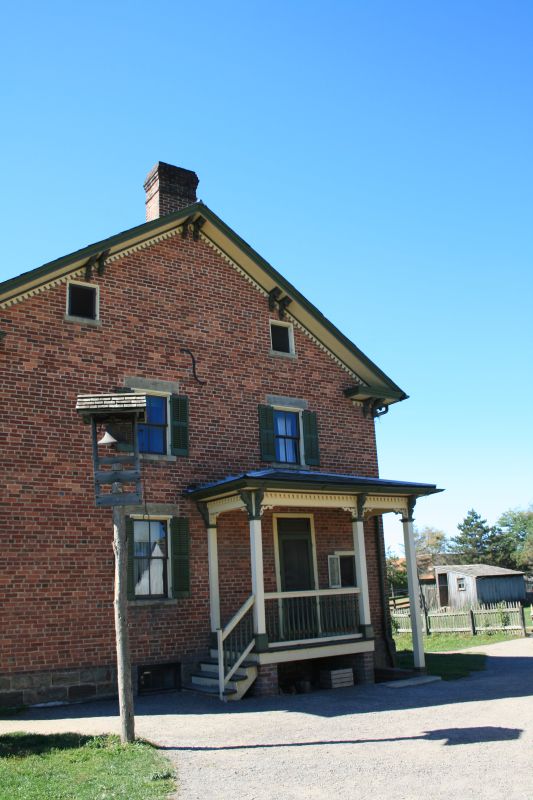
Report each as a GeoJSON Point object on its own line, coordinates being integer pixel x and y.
{"type": "Point", "coordinates": [298, 615]}
{"type": "Point", "coordinates": [443, 588]}
{"type": "Point", "coordinates": [295, 554]}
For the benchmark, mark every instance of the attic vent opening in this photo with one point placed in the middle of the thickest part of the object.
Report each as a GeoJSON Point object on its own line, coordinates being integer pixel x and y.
{"type": "Point", "coordinates": [82, 301]}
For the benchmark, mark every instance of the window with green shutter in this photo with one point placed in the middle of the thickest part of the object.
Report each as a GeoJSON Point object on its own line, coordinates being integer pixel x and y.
{"type": "Point", "coordinates": [288, 436]}
{"type": "Point", "coordinates": [165, 430]}
{"type": "Point", "coordinates": [179, 425]}
{"type": "Point", "coordinates": [310, 435]}
{"type": "Point", "coordinates": [158, 558]}
{"type": "Point", "coordinates": [266, 433]}
{"type": "Point", "coordinates": [180, 556]}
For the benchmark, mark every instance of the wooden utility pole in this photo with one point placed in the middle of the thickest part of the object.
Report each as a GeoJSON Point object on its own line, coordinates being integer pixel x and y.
{"type": "Point", "coordinates": [125, 692]}
{"type": "Point", "coordinates": [118, 471]}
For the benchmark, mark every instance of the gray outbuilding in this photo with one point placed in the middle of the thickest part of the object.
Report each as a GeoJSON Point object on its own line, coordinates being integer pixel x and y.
{"type": "Point", "coordinates": [460, 585]}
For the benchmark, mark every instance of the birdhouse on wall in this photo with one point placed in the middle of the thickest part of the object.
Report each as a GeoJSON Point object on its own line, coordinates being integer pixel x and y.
{"type": "Point", "coordinates": [117, 475]}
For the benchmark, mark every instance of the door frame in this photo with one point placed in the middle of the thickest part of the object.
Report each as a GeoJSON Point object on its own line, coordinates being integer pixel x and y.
{"type": "Point", "coordinates": [277, 560]}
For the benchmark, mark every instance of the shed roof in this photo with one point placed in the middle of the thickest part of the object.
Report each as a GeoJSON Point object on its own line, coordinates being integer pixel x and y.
{"type": "Point", "coordinates": [477, 570]}
{"type": "Point", "coordinates": [310, 481]}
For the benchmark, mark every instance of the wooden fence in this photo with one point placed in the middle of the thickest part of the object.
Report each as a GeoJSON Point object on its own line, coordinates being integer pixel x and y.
{"type": "Point", "coordinates": [479, 619]}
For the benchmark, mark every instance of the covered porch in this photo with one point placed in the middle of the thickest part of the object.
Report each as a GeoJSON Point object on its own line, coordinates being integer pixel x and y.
{"type": "Point", "coordinates": [310, 595]}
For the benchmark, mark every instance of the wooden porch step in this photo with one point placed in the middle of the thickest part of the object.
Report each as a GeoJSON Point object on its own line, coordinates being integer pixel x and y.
{"type": "Point", "coordinates": [214, 662]}
{"type": "Point", "coordinates": [209, 678]}
{"type": "Point", "coordinates": [210, 690]}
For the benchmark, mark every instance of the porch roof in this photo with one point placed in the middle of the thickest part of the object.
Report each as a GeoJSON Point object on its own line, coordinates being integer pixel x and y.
{"type": "Point", "coordinates": [305, 480]}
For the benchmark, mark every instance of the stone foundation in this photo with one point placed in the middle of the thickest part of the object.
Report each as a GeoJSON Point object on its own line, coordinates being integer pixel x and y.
{"type": "Point", "coordinates": [61, 686]}
{"type": "Point", "coordinates": [266, 683]}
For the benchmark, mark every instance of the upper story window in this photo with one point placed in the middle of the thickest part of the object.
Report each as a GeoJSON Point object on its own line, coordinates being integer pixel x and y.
{"type": "Point", "coordinates": [153, 433]}
{"type": "Point", "coordinates": [82, 300]}
{"type": "Point", "coordinates": [288, 436]}
{"type": "Point", "coordinates": [281, 338]}
{"type": "Point", "coordinates": [166, 429]}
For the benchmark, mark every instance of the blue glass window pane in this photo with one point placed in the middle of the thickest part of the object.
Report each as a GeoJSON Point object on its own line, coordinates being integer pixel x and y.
{"type": "Point", "coordinates": [156, 410]}
{"type": "Point", "coordinates": [156, 440]}
{"type": "Point", "coordinates": [290, 451]}
{"type": "Point", "coordinates": [143, 438]}
{"type": "Point", "coordinates": [291, 424]}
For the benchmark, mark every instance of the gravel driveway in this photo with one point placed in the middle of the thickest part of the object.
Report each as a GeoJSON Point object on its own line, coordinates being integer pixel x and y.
{"type": "Point", "coordinates": [471, 738]}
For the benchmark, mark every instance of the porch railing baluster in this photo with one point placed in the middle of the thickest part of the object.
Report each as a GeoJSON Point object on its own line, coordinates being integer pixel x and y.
{"type": "Point", "coordinates": [311, 614]}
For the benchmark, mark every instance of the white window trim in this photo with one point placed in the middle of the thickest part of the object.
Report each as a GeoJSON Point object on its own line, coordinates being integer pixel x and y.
{"type": "Point", "coordinates": [338, 554]}
{"type": "Point", "coordinates": [157, 518]}
{"type": "Point", "coordinates": [461, 585]}
{"type": "Point", "coordinates": [299, 412]}
{"type": "Point", "coordinates": [281, 324]}
{"type": "Point", "coordinates": [89, 320]}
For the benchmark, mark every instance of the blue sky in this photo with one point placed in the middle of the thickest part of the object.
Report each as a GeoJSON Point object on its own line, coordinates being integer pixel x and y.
{"type": "Point", "coordinates": [377, 153]}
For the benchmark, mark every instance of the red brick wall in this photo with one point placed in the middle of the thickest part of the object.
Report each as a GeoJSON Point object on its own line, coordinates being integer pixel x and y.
{"type": "Point", "coordinates": [57, 574]}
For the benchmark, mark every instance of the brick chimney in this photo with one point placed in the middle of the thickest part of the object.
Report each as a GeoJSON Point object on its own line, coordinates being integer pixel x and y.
{"type": "Point", "coordinates": [169, 189]}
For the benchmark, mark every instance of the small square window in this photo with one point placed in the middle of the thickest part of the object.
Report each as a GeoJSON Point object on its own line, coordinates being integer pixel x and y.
{"type": "Point", "coordinates": [461, 587]}
{"type": "Point", "coordinates": [82, 301]}
{"type": "Point", "coordinates": [281, 337]}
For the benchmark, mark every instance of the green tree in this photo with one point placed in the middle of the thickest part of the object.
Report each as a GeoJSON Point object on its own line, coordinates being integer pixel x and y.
{"type": "Point", "coordinates": [429, 542]}
{"type": "Point", "coordinates": [396, 573]}
{"type": "Point", "coordinates": [516, 527]}
{"type": "Point", "coordinates": [472, 544]}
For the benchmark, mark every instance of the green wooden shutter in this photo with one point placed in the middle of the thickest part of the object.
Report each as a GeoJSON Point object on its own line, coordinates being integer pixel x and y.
{"type": "Point", "coordinates": [266, 433]}
{"type": "Point", "coordinates": [179, 553]}
{"type": "Point", "coordinates": [179, 422]}
{"type": "Point", "coordinates": [312, 455]}
{"type": "Point", "coordinates": [129, 546]}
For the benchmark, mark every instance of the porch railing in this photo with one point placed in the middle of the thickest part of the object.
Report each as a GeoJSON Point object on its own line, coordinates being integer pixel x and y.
{"type": "Point", "coordinates": [312, 614]}
{"type": "Point", "coordinates": [234, 642]}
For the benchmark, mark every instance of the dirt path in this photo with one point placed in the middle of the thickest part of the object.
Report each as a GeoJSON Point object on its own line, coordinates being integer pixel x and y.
{"type": "Point", "coordinates": [471, 738]}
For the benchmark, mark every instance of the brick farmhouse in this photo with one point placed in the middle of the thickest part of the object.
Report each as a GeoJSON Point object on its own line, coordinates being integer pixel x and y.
{"type": "Point", "coordinates": [261, 500]}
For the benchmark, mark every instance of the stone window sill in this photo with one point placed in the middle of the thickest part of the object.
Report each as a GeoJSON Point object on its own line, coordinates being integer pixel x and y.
{"type": "Point", "coordinates": [169, 601]}
{"type": "Point", "coordinates": [93, 323]}
{"type": "Point", "coordinates": [278, 354]}
{"type": "Point", "coordinates": [156, 457]}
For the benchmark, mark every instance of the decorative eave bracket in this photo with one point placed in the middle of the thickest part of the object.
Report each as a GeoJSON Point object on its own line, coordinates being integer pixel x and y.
{"type": "Point", "coordinates": [275, 299]}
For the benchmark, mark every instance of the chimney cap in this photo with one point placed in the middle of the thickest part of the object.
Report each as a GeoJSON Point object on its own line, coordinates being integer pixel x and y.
{"type": "Point", "coordinates": [162, 170]}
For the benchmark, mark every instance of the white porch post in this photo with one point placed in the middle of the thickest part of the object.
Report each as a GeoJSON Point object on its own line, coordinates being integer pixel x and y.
{"type": "Point", "coordinates": [358, 532]}
{"type": "Point", "coordinates": [414, 589]}
{"type": "Point", "coordinates": [258, 587]}
{"type": "Point", "coordinates": [210, 521]}
{"type": "Point", "coordinates": [214, 592]}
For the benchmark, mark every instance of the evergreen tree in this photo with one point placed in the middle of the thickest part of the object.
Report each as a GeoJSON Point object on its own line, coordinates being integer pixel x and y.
{"type": "Point", "coordinates": [472, 544]}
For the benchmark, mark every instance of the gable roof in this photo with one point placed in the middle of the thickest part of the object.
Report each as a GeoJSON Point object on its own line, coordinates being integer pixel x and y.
{"type": "Point", "coordinates": [478, 570]}
{"type": "Point", "coordinates": [371, 380]}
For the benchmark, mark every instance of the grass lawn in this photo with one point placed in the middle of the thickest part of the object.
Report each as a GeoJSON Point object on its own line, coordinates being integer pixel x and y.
{"type": "Point", "coordinates": [449, 666]}
{"type": "Point", "coordinates": [68, 766]}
